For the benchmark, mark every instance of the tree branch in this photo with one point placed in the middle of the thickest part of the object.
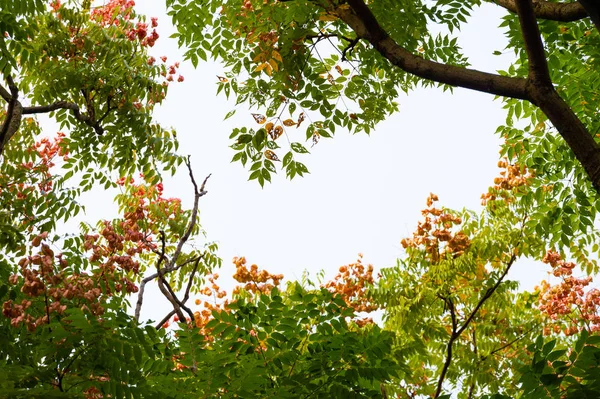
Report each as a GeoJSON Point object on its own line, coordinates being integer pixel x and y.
{"type": "Point", "coordinates": [146, 280]}
{"type": "Point", "coordinates": [197, 195]}
{"type": "Point", "coordinates": [456, 332]}
{"type": "Point", "coordinates": [538, 67]}
{"type": "Point", "coordinates": [360, 18]}
{"type": "Point", "coordinates": [592, 8]}
{"type": "Point", "coordinates": [14, 113]}
{"type": "Point", "coordinates": [488, 293]}
{"type": "Point", "coordinates": [562, 12]}
{"type": "Point", "coordinates": [453, 338]}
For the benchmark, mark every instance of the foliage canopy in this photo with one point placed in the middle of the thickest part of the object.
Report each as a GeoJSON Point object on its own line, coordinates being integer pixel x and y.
{"type": "Point", "coordinates": [453, 325]}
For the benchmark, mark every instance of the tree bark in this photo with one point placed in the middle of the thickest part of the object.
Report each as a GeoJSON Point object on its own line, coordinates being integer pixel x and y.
{"type": "Point", "coordinates": [562, 12]}
{"type": "Point", "coordinates": [537, 88]}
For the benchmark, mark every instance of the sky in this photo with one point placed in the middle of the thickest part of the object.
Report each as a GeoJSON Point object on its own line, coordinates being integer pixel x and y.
{"type": "Point", "coordinates": [364, 193]}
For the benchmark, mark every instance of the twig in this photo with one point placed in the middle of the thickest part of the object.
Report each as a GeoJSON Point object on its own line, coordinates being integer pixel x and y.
{"type": "Point", "coordinates": [349, 47]}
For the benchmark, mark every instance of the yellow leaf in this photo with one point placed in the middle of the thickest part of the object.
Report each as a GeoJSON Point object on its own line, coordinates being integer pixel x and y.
{"type": "Point", "coordinates": [327, 17]}
{"type": "Point", "coordinates": [275, 54]}
{"type": "Point", "coordinates": [274, 64]}
{"type": "Point", "coordinates": [275, 133]}
{"type": "Point", "coordinates": [301, 118]}
{"type": "Point", "coordinates": [259, 118]}
{"type": "Point", "coordinates": [269, 69]}
{"type": "Point", "coordinates": [262, 66]}
{"type": "Point", "coordinates": [271, 155]}
{"type": "Point", "coordinates": [289, 122]}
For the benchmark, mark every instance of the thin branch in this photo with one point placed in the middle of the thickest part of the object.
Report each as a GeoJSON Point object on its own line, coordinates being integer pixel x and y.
{"type": "Point", "coordinates": [488, 294]}
{"type": "Point", "coordinates": [191, 279]}
{"type": "Point", "coordinates": [457, 332]}
{"type": "Point", "coordinates": [162, 282]}
{"type": "Point", "coordinates": [5, 94]}
{"type": "Point", "coordinates": [453, 336]}
{"type": "Point", "coordinates": [164, 320]}
{"type": "Point", "coordinates": [42, 109]}
{"type": "Point", "coordinates": [185, 298]}
{"type": "Point", "coordinates": [81, 117]}
{"type": "Point", "coordinates": [562, 12]}
{"type": "Point", "coordinates": [472, 385]}
{"type": "Point", "coordinates": [197, 195]}
{"type": "Point", "coordinates": [322, 36]}
{"type": "Point", "coordinates": [146, 280]}
{"type": "Point", "coordinates": [349, 47]}
{"type": "Point", "coordinates": [360, 18]}
{"type": "Point", "coordinates": [538, 66]}
{"type": "Point", "coordinates": [507, 344]}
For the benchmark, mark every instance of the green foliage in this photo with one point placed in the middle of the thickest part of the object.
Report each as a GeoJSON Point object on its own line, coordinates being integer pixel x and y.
{"type": "Point", "coordinates": [287, 344]}
{"type": "Point", "coordinates": [453, 324]}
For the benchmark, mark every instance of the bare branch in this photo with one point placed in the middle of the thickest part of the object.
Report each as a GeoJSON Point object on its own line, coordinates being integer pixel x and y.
{"type": "Point", "coordinates": [146, 280]}
{"type": "Point", "coordinates": [360, 18]}
{"type": "Point", "coordinates": [5, 94]}
{"type": "Point", "coordinates": [538, 66]}
{"type": "Point", "coordinates": [562, 12]}
{"type": "Point", "coordinates": [197, 195]}
{"type": "Point", "coordinates": [81, 117]}
{"type": "Point", "coordinates": [162, 282]}
{"type": "Point", "coordinates": [187, 292]}
{"type": "Point", "coordinates": [42, 109]}
{"type": "Point", "coordinates": [164, 320]}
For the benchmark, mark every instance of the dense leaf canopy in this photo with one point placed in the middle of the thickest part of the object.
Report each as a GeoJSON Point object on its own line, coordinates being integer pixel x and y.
{"type": "Point", "coordinates": [452, 324]}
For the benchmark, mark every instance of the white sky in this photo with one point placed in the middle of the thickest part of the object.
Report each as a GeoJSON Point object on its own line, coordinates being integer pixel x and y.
{"type": "Point", "coordinates": [364, 193]}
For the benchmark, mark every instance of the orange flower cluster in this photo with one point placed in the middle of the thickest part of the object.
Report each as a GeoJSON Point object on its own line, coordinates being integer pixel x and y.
{"type": "Point", "coordinates": [113, 260]}
{"type": "Point", "coordinates": [351, 283]}
{"type": "Point", "coordinates": [559, 302]}
{"type": "Point", "coordinates": [119, 12]}
{"type": "Point", "coordinates": [256, 281]}
{"type": "Point", "coordinates": [47, 149]}
{"type": "Point", "coordinates": [45, 277]}
{"type": "Point", "coordinates": [435, 233]}
{"type": "Point", "coordinates": [511, 178]}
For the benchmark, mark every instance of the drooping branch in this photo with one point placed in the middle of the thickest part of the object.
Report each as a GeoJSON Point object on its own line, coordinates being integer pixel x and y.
{"type": "Point", "coordinates": [360, 18]}
{"type": "Point", "coordinates": [562, 12]}
{"type": "Point", "coordinates": [538, 66]}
